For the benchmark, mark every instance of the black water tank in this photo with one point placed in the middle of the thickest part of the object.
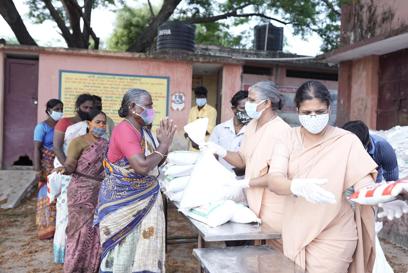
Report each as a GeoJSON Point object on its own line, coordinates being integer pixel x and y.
{"type": "Point", "coordinates": [175, 35]}
{"type": "Point", "coordinates": [270, 36]}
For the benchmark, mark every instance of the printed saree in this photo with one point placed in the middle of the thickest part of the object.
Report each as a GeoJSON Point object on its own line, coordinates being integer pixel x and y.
{"type": "Point", "coordinates": [82, 251]}
{"type": "Point", "coordinates": [131, 221]}
{"type": "Point", "coordinates": [45, 213]}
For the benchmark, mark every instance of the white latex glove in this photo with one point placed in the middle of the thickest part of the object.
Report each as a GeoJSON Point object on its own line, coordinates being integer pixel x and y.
{"type": "Point", "coordinates": [243, 183]}
{"type": "Point", "coordinates": [214, 148]}
{"type": "Point", "coordinates": [309, 188]}
{"type": "Point", "coordinates": [393, 209]}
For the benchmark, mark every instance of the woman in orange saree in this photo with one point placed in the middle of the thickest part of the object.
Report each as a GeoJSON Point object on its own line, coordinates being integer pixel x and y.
{"type": "Point", "coordinates": [315, 166]}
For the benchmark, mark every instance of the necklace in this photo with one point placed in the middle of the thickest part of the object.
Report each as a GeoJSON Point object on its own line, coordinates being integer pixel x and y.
{"type": "Point", "coordinates": [132, 125]}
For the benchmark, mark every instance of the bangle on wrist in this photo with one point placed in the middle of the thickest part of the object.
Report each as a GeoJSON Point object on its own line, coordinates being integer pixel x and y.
{"type": "Point", "coordinates": [160, 154]}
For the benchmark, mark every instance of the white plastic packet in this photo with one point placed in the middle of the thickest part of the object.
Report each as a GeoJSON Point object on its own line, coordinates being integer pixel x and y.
{"type": "Point", "coordinates": [244, 215]}
{"type": "Point", "coordinates": [380, 263]}
{"type": "Point", "coordinates": [175, 196]}
{"type": "Point", "coordinates": [177, 184]}
{"type": "Point", "coordinates": [210, 181]}
{"type": "Point", "coordinates": [177, 171]}
{"type": "Point", "coordinates": [214, 214]}
{"type": "Point", "coordinates": [196, 130]}
{"type": "Point", "coordinates": [54, 185]}
{"type": "Point", "coordinates": [183, 157]}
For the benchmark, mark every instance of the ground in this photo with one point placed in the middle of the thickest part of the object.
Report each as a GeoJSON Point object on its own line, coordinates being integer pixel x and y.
{"type": "Point", "coordinates": [22, 252]}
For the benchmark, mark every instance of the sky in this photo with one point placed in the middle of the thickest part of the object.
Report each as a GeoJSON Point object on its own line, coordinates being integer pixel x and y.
{"type": "Point", "coordinates": [103, 22]}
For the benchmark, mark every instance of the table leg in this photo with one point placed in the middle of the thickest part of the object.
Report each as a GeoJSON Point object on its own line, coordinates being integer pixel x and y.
{"type": "Point", "coordinates": [165, 222]}
{"type": "Point", "coordinates": [200, 242]}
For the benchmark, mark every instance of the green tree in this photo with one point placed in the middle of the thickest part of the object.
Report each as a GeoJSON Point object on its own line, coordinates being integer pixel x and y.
{"type": "Point", "coordinates": [214, 20]}
{"type": "Point", "coordinates": [130, 24]}
{"type": "Point", "coordinates": [73, 18]}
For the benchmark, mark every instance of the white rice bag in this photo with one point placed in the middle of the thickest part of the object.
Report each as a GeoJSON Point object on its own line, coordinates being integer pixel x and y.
{"type": "Point", "coordinates": [54, 185]}
{"type": "Point", "coordinates": [196, 130]}
{"type": "Point", "coordinates": [183, 157]}
{"type": "Point", "coordinates": [210, 181]}
{"type": "Point", "coordinates": [214, 214]}
{"type": "Point", "coordinates": [244, 215]}
{"type": "Point", "coordinates": [175, 196]}
{"type": "Point", "coordinates": [177, 171]}
{"type": "Point", "coordinates": [177, 184]}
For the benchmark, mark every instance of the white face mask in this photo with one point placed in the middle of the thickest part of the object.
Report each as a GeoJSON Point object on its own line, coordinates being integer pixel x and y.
{"type": "Point", "coordinates": [56, 115]}
{"type": "Point", "coordinates": [314, 124]}
{"type": "Point", "coordinates": [250, 109]}
{"type": "Point", "coordinates": [201, 102]}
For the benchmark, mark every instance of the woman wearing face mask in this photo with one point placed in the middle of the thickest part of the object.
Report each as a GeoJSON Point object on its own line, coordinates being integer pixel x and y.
{"type": "Point", "coordinates": [43, 165]}
{"type": "Point", "coordinates": [84, 162]}
{"type": "Point", "coordinates": [256, 150]}
{"type": "Point", "coordinates": [65, 131]}
{"type": "Point", "coordinates": [83, 105]}
{"type": "Point", "coordinates": [313, 166]}
{"type": "Point", "coordinates": [130, 210]}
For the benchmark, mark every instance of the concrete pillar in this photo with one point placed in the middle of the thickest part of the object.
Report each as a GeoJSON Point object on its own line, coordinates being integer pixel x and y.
{"type": "Point", "coordinates": [344, 93]}
{"type": "Point", "coordinates": [231, 83]}
{"type": "Point", "coordinates": [364, 90]}
{"type": "Point", "coordinates": [2, 84]}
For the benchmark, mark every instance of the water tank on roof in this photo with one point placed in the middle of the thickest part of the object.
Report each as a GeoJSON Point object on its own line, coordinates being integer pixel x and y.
{"type": "Point", "coordinates": [268, 37]}
{"type": "Point", "coordinates": [174, 35]}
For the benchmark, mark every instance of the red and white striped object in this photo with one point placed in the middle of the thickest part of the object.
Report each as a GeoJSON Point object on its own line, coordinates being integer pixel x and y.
{"type": "Point", "coordinates": [380, 193]}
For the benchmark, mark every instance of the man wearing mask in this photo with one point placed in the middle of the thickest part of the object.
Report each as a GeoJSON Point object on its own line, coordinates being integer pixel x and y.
{"type": "Point", "coordinates": [109, 122]}
{"type": "Point", "coordinates": [378, 148]}
{"type": "Point", "coordinates": [203, 110]}
{"type": "Point", "coordinates": [230, 133]}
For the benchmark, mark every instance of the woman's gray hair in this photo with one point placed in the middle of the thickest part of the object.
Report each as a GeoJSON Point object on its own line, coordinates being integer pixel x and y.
{"type": "Point", "coordinates": [267, 90]}
{"type": "Point", "coordinates": [133, 95]}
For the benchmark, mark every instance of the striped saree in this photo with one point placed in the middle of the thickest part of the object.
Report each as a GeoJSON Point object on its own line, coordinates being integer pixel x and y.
{"type": "Point", "coordinates": [131, 221]}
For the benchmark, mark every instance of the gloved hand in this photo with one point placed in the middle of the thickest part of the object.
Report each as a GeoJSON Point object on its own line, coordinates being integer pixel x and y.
{"type": "Point", "coordinates": [309, 188]}
{"type": "Point", "coordinates": [242, 183]}
{"type": "Point", "coordinates": [393, 209]}
{"type": "Point", "coordinates": [214, 148]}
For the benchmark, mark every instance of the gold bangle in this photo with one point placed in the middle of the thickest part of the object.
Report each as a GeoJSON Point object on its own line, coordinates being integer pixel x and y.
{"type": "Point", "coordinates": [160, 154]}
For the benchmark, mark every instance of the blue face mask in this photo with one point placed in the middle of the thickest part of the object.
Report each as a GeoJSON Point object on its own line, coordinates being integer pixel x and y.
{"type": "Point", "coordinates": [98, 132]}
{"type": "Point", "coordinates": [201, 102]}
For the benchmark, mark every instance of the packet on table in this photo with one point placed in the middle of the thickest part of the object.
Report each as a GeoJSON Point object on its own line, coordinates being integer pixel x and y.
{"type": "Point", "coordinates": [177, 184]}
{"type": "Point", "coordinates": [210, 181]}
{"type": "Point", "coordinates": [244, 215]}
{"type": "Point", "coordinates": [183, 157]}
{"type": "Point", "coordinates": [213, 214]}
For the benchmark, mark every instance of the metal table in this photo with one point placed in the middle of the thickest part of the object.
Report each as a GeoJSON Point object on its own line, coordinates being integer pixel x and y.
{"type": "Point", "coordinates": [248, 259]}
{"type": "Point", "coordinates": [231, 231]}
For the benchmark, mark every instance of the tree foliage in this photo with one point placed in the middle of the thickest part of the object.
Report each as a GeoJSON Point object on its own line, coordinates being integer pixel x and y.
{"type": "Point", "coordinates": [136, 29]}
{"type": "Point", "coordinates": [214, 20]}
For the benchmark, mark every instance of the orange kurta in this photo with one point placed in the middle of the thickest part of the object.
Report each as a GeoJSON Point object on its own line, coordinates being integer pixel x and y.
{"type": "Point", "coordinates": [327, 237]}
{"type": "Point", "coordinates": [256, 150]}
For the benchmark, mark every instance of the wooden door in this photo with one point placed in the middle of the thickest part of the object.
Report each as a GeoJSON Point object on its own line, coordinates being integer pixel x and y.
{"type": "Point", "coordinates": [20, 109]}
{"type": "Point", "coordinates": [393, 90]}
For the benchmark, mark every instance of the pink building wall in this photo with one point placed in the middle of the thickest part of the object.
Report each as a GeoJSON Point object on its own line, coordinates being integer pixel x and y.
{"type": "Point", "coordinates": [365, 19]}
{"type": "Point", "coordinates": [2, 83]}
{"type": "Point", "coordinates": [231, 83]}
{"type": "Point", "coordinates": [180, 74]}
{"type": "Point", "coordinates": [364, 90]}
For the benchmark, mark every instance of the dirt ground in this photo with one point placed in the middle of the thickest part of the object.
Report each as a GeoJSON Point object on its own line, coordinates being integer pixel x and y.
{"type": "Point", "coordinates": [22, 252]}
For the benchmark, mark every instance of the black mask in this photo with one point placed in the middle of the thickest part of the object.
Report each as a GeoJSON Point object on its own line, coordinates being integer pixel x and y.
{"type": "Point", "coordinates": [242, 117]}
{"type": "Point", "coordinates": [83, 115]}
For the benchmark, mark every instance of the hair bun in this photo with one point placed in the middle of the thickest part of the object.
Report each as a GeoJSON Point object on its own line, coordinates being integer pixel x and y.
{"type": "Point", "coordinates": [123, 112]}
